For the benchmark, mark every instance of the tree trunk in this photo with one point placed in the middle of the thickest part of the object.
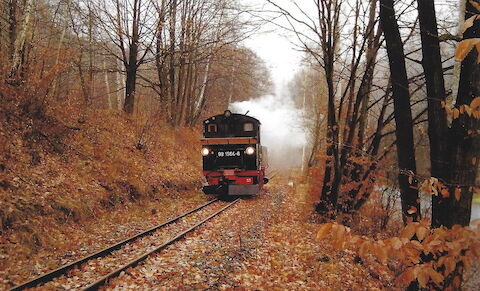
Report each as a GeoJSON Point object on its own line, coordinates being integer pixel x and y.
{"type": "Point", "coordinates": [132, 64]}
{"type": "Point", "coordinates": [402, 112]}
{"type": "Point", "coordinates": [130, 84]}
{"type": "Point", "coordinates": [437, 119]}
{"type": "Point", "coordinates": [332, 176]}
{"type": "Point", "coordinates": [120, 78]}
{"type": "Point", "coordinates": [371, 59]}
{"type": "Point", "coordinates": [329, 195]}
{"type": "Point", "coordinates": [464, 147]}
{"type": "Point", "coordinates": [91, 52]}
{"type": "Point", "coordinates": [201, 97]}
{"type": "Point", "coordinates": [374, 147]}
{"type": "Point", "coordinates": [21, 42]}
{"type": "Point", "coordinates": [456, 67]}
{"type": "Point", "coordinates": [12, 26]}
{"type": "Point", "coordinates": [160, 58]}
{"type": "Point", "coordinates": [107, 84]}
{"type": "Point", "coordinates": [171, 69]}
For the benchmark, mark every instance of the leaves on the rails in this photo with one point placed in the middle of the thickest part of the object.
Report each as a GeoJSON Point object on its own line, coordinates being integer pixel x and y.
{"type": "Point", "coordinates": [75, 177]}
{"type": "Point", "coordinates": [261, 243]}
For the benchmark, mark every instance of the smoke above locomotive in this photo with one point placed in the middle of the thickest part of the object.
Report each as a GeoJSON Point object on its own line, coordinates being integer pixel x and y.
{"type": "Point", "coordinates": [282, 128]}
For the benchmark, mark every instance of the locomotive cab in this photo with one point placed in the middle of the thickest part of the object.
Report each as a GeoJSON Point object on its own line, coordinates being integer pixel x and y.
{"type": "Point", "coordinates": [234, 161]}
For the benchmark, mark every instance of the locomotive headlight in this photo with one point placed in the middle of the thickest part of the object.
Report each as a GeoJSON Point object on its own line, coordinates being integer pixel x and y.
{"type": "Point", "coordinates": [205, 152]}
{"type": "Point", "coordinates": [250, 151]}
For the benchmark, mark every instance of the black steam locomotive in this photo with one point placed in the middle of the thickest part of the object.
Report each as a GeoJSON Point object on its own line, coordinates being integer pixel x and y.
{"type": "Point", "coordinates": [234, 161]}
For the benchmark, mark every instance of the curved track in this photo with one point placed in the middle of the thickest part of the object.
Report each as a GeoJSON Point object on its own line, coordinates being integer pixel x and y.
{"type": "Point", "coordinates": [106, 251]}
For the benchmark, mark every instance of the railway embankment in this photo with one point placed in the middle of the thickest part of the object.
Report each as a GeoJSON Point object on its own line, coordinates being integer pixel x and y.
{"type": "Point", "coordinates": [71, 183]}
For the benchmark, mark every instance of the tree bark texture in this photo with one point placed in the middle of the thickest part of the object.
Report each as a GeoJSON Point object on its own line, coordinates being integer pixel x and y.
{"type": "Point", "coordinates": [21, 40]}
{"type": "Point", "coordinates": [454, 152]}
{"type": "Point", "coordinates": [437, 119]}
{"type": "Point", "coordinates": [464, 145]}
{"type": "Point", "coordinates": [131, 66]}
{"type": "Point", "coordinates": [402, 112]}
{"type": "Point", "coordinates": [329, 13]}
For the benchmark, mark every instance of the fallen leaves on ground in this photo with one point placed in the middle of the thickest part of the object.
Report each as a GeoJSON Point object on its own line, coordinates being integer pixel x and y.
{"type": "Point", "coordinates": [262, 243]}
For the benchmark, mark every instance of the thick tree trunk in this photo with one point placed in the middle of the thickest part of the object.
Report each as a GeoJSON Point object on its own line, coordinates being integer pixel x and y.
{"type": "Point", "coordinates": [402, 112]}
{"type": "Point", "coordinates": [464, 144]}
{"type": "Point", "coordinates": [332, 173]}
{"type": "Point", "coordinates": [437, 119]}
{"type": "Point", "coordinates": [130, 85]}
{"type": "Point", "coordinates": [329, 195]}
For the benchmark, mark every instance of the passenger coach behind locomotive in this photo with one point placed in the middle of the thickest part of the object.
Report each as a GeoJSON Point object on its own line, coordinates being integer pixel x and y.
{"type": "Point", "coordinates": [234, 162]}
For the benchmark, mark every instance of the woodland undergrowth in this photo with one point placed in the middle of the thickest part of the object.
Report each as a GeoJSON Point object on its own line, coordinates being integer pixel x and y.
{"type": "Point", "coordinates": [70, 163]}
{"type": "Point", "coordinates": [419, 256]}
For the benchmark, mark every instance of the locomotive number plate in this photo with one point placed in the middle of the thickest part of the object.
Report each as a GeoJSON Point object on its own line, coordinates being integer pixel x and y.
{"type": "Point", "coordinates": [228, 154]}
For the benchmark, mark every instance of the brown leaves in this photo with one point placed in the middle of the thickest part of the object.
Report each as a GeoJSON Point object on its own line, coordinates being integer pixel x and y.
{"type": "Point", "coordinates": [447, 247]}
{"type": "Point", "coordinates": [409, 230]}
{"type": "Point", "coordinates": [458, 191]}
{"type": "Point", "coordinates": [475, 4]}
{"type": "Point", "coordinates": [395, 243]}
{"type": "Point", "coordinates": [421, 232]}
{"type": "Point", "coordinates": [340, 234]}
{"type": "Point", "coordinates": [406, 277]}
{"type": "Point", "coordinates": [469, 22]}
{"type": "Point", "coordinates": [412, 210]}
{"type": "Point", "coordinates": [323, 231]}
{"type": "Point", "coordinates": [475, 104]}
{"type": "Point", "coordinates": [464, 48]}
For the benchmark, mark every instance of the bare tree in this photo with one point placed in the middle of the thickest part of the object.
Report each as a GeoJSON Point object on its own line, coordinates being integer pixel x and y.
{"type": "Point", "coordinates": [340, 61]}
{"type": "Point", "coordinates": [130, 27]}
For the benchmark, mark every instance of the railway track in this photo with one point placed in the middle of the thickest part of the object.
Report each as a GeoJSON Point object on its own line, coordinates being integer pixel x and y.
{"type": "Point", "coordinates": [109, 251]}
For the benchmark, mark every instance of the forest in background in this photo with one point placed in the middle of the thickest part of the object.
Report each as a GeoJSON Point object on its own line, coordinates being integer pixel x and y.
{"type": "Point", "coordinates": [155, 58]}
{"type": "Point", "coordinates": [100, 103]}
{"type": "Point", "coordinates": [99, 96]}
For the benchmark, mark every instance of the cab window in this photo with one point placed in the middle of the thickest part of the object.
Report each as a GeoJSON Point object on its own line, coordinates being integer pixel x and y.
{"type": "Point", "coordinates": [212, 127]}
{"type": "Point", "coordinates": [248, 126]}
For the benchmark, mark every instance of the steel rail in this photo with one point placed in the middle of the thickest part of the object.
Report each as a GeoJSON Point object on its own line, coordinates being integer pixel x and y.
{"type": "Point", "coordinates": [141, 258]}
{"type": "Point", "coordinates": [64, 269]}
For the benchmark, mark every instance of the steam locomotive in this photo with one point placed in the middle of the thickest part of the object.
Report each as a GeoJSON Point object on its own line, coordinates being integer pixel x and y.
{"type": "Point", "coordinates": [234, 161]}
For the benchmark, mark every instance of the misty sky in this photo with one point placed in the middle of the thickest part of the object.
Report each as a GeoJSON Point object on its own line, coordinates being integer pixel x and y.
{"type": "Point", "coordinates": [274, 47]}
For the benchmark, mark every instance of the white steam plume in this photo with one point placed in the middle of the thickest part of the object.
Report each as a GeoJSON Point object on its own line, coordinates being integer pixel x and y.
{"type": "Point", "coordinates": [281, 129]}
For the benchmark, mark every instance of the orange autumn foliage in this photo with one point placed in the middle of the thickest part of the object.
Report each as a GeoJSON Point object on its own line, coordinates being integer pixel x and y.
{"type": "Point", "coordinates": [436, 258]}
{"type": "Point", "coordinates": [66, 162]}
